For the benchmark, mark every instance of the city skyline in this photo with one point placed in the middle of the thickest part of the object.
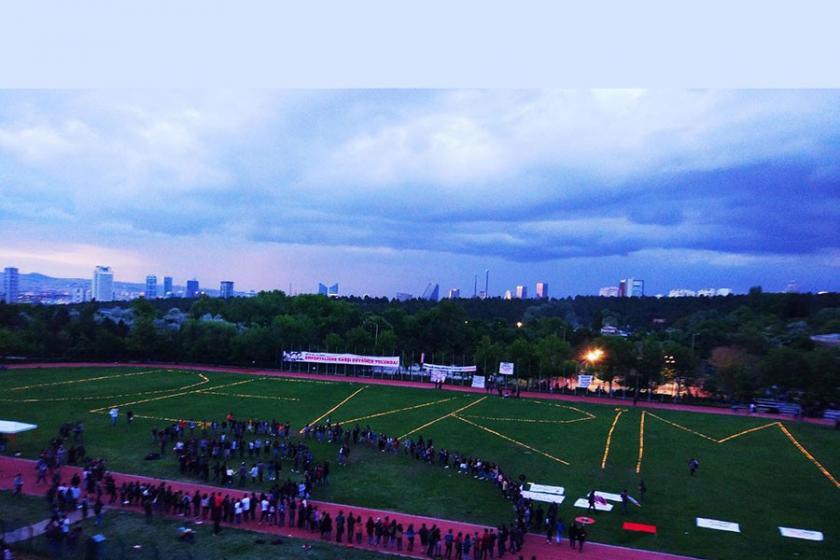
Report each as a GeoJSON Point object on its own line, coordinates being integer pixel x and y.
{"type": "Point", "coordinates": [574, 188]}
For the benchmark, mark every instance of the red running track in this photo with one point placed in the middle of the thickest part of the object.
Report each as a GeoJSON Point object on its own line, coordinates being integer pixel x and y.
{"type": "Point", "coordinates": [421, 385]}
{"type": "Point", "coordinates": [535, 545]}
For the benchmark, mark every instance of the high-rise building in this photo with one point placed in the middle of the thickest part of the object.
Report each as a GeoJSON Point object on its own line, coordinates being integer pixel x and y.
{"type": "Point", "coordinates": [226, 289]}
{"type": "Point", "coordinates": [79, 295]}
{"type": "Point", "coordinates": [454, 293]}
{"type": "Point", "coordinates": [508, 295]}
{"type": "Point", "coordinates": [167, 287]}
{"type": "Point", "coordinates": [522, 292]}
{"type": "Point", "coordinates": [432, 292]}
{"type": "Point", "coordinates": [102, 287]}
{"type": "Point", "coordinates": [631, 287]}
{"type": "Point", "coordinates": [329, 291]}
{"type": "Point", "coordinates": [192, 288]}
{"type": "Point", "coordinates": [10, 284]}
{"type": "Point", "coordinates": [542, 290]}
{"type": "Point", "coordinates": [151, 287]}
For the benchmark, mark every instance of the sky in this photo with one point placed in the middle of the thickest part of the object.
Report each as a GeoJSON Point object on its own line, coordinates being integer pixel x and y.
{"type": "Point", "coordinates": [386, 190]}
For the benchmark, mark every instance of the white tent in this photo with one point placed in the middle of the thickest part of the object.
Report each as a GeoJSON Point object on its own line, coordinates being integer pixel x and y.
{"type": "Point", "coordinates": [10, 427]}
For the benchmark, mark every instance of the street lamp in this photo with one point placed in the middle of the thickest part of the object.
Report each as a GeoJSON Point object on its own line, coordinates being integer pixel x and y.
{"type": "Point", "coordinates": [593, 356]}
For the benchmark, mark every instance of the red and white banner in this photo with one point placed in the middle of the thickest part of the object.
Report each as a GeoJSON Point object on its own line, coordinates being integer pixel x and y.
{"type": "Point", "coordinates": [351, 359]}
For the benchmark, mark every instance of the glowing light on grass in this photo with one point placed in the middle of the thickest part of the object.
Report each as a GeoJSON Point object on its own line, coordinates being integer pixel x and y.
{"type": "Point", "coordinates": [336, 407]}
{"type": "Point", "coordinates": [510, 439]}
{"type": "Point", "coordinates": [641, 442]}
{"type": "Point", "coordinates": [444, 417]}
{"type": "Point", "coordinates": [100, 397]}
{"type": "Point", "coordinates": [619, 412]}
{"type": "Point", "coordinates": [395, 411]}
{"type": "Point", "coordinates": [528, 420]}
{"type": "Point", "coordinates": [810, 457]}
{"type": "Point", "coordinates": [105, 408]}
{"type": "Point", "coordinates": [246, 396]}
{"type": "Point", "coordinates": [781, 427]}
{"type": "Point", "coordinates": [85, 380]}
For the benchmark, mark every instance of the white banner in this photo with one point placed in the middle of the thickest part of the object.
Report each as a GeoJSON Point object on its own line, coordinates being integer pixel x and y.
{"type": "Point", "coordinates": [546, 489]}
{"type": "Point", "coordinates": [584, 381]}
{"type": "Point", "coordinates": [505, 368]}
{"type": "Point", "coordinates": [438, 375]}
{"type": "Point", "coordinates": [719, 525]}
{"type": "Point", "coordinates": [478, 381]}
{"type": "Point", "coordinates": [458, 369]}
{"type": "Point", "coordinates": [801, 534]}
{"type": "Point", "coordinates": [539, 497]}
{"type": "Point", "coordinates": [351, 359]}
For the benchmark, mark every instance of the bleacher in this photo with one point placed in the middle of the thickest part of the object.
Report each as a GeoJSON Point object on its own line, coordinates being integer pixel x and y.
{"type": "Point", "coordinates": [777, 407]}
{"type": "Point", "coordinates": [831, 414]}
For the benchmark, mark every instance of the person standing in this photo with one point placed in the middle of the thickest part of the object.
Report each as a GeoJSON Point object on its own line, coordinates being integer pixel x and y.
{"type": "Point", "coordinates": [693, 464]}
{"type": "Point", "coordinates": [581, 536]}
{"type": "Point", "coordinates": [624, 501]}
{"type": "Point", "coordinates": [114, 413]}
{"type": "Point", "coordinates": [97, 511]}
{"type": "Point", "coordinates": [592, 502]}
{"type": "Point", "coordinates": [573, 534]}
{"type": "Point", "coordinates": [18, 484]}
{"type": "Point", "coordinates": [642, 490]}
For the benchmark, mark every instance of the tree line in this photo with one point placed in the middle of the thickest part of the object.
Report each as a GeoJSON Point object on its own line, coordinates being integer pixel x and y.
{"type": "Point", "coordinates": [733, 347]}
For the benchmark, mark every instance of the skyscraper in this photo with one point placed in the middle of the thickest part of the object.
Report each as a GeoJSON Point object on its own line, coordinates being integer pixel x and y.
{"type": "Point", "coordinates": [522, 292]}
{"type": "Point", "coordinates": [10, 284]}
{"type": "Point", "coordinates": [454, 293]}
{"type": "Point", "coordinates": [542, 290]}
{"type": "Point", "coordinates": [167, 286]}
{"type": "Point", "coordinates": [151, 287]}
{"type": "Point", "coordinates": [631, 287]}
{"type": "Point", "coordinates": [102, 287]}
{"type": "Point", "coordinates": [329, 291]}
{"type": "Point", "coordinates": [432, 292]}
{"type": "Point", "coordinates": [226, 289]}
{"type": "Point", "coordinates": [192, 288]}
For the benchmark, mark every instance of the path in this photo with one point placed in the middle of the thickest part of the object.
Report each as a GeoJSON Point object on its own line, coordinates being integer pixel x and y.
{"type": "Point", "coordinates": [422, 385]}
{"type": "Point", "coordinates": [36, 529]}
{"type": "Point", "coordinates": [535, 545]}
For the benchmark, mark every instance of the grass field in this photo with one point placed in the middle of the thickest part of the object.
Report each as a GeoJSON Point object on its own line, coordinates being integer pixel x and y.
{"type": "Point", "coordinates": [769, 474]}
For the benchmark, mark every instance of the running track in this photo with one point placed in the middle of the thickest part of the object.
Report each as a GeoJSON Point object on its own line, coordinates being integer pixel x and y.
{"type": "Point", "coordinates": [535, 545]}
{"type": "Point", "coordinates": [421, 385]}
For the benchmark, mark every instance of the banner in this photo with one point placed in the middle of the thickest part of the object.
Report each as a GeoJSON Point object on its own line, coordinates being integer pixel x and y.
{"type": "Point", "coordinates": [505, 368]}
{"type": "Point", "coordinates": [584, 381]}
{"type": "Point", "coordinates": [438, 376]}
{"type": "Point", "coordinates": [458, 369]}
{"type": "Point", "coordinates": [351, 359]}
{"type": "Point", "coordinates": [478, 381]}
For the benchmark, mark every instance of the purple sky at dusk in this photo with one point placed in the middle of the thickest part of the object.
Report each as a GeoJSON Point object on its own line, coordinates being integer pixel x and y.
{"type": "Point", "coordinates": [384, 191]}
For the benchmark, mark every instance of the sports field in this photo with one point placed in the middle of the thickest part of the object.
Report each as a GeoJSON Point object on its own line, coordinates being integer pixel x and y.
{"type": "Point", "coordinates": [757, 472]}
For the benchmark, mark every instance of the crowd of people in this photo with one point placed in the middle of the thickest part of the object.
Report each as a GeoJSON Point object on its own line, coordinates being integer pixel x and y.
{"type": "Point", "coordinates": [262, 447]}
{"type": "Point", "coordinates": [245, 454]}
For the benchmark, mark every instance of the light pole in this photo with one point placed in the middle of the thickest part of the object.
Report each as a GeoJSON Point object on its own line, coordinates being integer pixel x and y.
{"type": "Point", "coordinates": [593, 356]}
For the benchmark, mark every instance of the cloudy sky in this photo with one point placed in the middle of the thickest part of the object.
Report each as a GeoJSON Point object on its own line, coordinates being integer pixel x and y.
{"type": "Point", "coordinates": [383, 191]}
